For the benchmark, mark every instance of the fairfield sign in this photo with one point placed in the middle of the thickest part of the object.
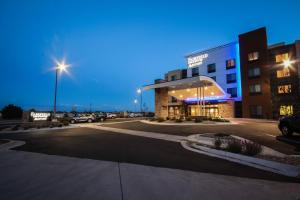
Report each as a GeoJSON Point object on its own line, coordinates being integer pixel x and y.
{"type": "Point", "coordinates": [40, 116]}
{"type": "Point", "coordinates": [196, 60]}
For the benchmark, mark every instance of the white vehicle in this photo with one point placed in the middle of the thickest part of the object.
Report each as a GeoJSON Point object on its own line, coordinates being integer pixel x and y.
{"type": "Point", "coordinates": [132, 115]}
{"type": "Point", "coordinates": [111, 115]}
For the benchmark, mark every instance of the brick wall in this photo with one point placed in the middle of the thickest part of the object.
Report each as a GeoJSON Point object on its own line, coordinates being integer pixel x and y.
{"type": "Point", "coordinates": [161, 102]}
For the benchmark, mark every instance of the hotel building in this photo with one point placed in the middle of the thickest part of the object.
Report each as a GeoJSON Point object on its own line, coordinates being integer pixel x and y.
{"type": "Point", "coordinates": [246, 78]}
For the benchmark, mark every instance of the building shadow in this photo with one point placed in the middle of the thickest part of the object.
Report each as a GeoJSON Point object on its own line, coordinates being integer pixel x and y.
{"type": "Point", "coordinates": [292, 140]}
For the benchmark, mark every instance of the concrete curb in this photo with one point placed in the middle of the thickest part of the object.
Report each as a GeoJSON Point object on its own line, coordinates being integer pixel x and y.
{"type": "Point", "coordinates": [187, 124]}
{"type": "Point", "coordinates": [11, 144]}
{"type": "Point", "coordinates": [279, 168]}
{"type": "Point", "coordinates": [35, 130]}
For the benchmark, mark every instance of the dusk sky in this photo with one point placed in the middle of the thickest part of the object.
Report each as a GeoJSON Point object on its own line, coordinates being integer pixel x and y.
{"type": "Point", "coordinates": [114, 47]}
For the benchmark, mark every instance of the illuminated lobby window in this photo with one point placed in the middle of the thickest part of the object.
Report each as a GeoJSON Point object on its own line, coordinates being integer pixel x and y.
{"type": "Point", "coordinates": [286, 110]}
{"type": "Point", "coordinates": [284, 89]}
{"type": "Point", "coordinates": [285, 72]}
{"type": "Point", "coordinates": [281, 57]}
{"type": "Point", "coordinates": [253, 56]}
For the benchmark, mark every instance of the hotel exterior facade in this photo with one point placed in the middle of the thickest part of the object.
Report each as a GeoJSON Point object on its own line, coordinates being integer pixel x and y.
{"type": "Point", "coordinates": [246, 78]}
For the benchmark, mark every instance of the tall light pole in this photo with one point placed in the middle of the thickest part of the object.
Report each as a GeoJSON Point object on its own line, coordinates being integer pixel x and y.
{"type": "Point", "coordinates": [139, 91]}
{"type": "Point", "coordinates": [135, 102]}
{"type": "Point", "coordinates": [59, 68]}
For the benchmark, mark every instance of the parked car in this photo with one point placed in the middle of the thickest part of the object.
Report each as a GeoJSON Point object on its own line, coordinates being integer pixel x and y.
{"type": "Point", "coordinates": [289, 124]}
{"type": "Point", "coordinates": [111, 115]}
{"type": "Point", "coordinates": [82, 118]}
{"type": "Point", "coordinates": [132, 115]}
{"type": "Point", "coordinates": [100, 117]}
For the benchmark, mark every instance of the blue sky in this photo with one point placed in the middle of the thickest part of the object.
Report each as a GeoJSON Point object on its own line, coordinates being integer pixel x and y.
{"type": "Point", "coordinates": [116, 46]}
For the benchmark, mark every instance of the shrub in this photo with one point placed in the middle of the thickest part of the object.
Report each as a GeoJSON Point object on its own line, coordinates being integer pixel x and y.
{"type": "Point", "coordinates": [12, 112]}
{"type": "Point", "coordinates": [60, 125]}
{"type": "Point", "coordinates": [198, 120]}
{"type": "Point", "coordinates": [188, 119]}
{"type": "Point", "coordinates": [160, 119]}
{"type": "Point", "coordinates": [234, 146]}
{"type": "Point", "coordinates": [251, 148]}
{"type": "Point", "coordinates": [152, 119]}
{"type": "Point", "coordinates": [167, 118]}
{"type": "Point", "coordinates": [218, 143]}
{"type": "Point", "coordinates": [178, 120]}
{"type": "Point", "coordinates": [65, 123]}
{"type": "Point", "coordinates": [220, 120]}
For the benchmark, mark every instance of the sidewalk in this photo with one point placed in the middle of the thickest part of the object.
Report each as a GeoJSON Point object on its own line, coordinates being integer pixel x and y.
{"type": "Point", "coordinates": [26, 175]}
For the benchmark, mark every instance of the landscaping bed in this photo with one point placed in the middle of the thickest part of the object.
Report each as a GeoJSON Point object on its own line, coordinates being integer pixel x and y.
{"type": "Point", "coordinates": [238, 145]}
{"type": "Point", "coordinates": [200, 119]}
{"type": "Point", "coordinates": [3, 141]}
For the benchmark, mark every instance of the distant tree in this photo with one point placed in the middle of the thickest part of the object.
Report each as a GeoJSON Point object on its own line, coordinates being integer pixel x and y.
{"type": "Point", "coordinates": [12, 112]}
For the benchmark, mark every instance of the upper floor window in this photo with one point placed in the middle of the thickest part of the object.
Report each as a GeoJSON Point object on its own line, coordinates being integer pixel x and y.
{"type": "Point", "coordinates": [253, 56]}
{"type": "Point", "coordinates": [230, 63]}
{"type": "Point", "coordinates": [255, 89]}
{"type": "Point", "coordinates": [173, 78]}
{"type": "Point", "coordinates": [211, 68]}
{"type": "Point", "coordinates": [254, 72]}
{"type": "Point", "coordinates": [284, 89]}
{"type": "Point", "coordinates": [232, 91]}
{"type": "Point", "coordinates": [184, 73]}
{"type": "Point", "coordinates": [231, 78]}
{"type": "Point", "coordinates": [285, 72]}
{"type": "Point", "coordinates": [195, 71]}
{"type": "Point", "coordinates": [281, 57]}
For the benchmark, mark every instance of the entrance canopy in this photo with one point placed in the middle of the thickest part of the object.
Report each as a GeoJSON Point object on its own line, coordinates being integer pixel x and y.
{"type": "Point", "coordinates": [191, 89]}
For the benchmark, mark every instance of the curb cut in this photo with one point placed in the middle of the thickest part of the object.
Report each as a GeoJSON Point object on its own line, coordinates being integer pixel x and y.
{"type": "Point", "coordinates": [275, 167]}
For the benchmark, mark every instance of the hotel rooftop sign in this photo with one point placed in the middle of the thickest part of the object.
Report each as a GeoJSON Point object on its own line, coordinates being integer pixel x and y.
{"type": "Point", "coordinates": [193, 61]}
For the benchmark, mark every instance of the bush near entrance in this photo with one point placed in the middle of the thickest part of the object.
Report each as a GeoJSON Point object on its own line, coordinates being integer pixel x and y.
{"type": "Point", "coordinates": [12, 112]}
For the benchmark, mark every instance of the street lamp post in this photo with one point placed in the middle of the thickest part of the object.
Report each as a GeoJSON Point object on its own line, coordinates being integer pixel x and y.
{"type": "Point", "coordinates": [61, 66]}
{"type": "Point", "coordinates": [135, 102]}
{"type": "Point", "coordinates": [139, 91]}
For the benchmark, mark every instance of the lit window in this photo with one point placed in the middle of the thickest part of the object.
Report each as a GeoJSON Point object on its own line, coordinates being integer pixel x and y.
{"type": "Point", "coordinates": [254, 72]}
{"type": "Point", "coordinates": [281, 57]}
{"type": "Point", "coordinates": [284, 89]}
{"type": "Point", "coordinates": [285, 72]}
{"type": "Point", "coordinates": [286, 110]}
{"type": "Point", "coordinates": [230, 64]}
{"type": "Point", "coordinates": [256, 88]}
{"type": "Point", "coordinates": [253, 56]}
{"type": "Point", "coordinates": [211, 68]}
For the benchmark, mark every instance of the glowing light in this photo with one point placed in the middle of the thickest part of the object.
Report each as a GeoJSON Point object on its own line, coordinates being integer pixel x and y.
{"type": "Point", "coordinates": [173, 92]}
{"type": "Point", "coordinates": [205, 88]}
{"type": "Point", "coordinates": [212, 93]}
{"type": "Point", "coordinates": [135, 101]}
{"type": "Point", "coordinates": [62, 66]}
{"type": "Point", "coordinates": [139, 91]}
{"type": "Point", "coordinates": [188, 90]}
{"type": "Point", "coordinates": [195, 95]}
{"type": "Point", "coordinates": [287, 63]}
{"type": "Point", "coordinates": [181, 96]}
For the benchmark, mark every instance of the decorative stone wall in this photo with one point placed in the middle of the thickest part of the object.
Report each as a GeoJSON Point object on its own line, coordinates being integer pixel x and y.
{"type": "Point", "coordinates": [226, 109]}
{"type": "Point", "coordinates": [161, 102]}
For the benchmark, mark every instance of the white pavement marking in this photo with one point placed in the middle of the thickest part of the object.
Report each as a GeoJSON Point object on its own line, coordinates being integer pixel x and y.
{"type": "Point", "coordinates": [271, 135]}
{"type": "Point", "coordinates": [161, 136]}
{"type": "Point", "coordinates": [26, 175]}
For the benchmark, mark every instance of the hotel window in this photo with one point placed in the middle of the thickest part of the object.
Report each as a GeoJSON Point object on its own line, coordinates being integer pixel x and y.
{"type": "Point", "coordinates": [173, 78]}
{"type": "Point", "coordinates": [232, 91]}
{"type": "Point", "coordinates": [211, 68]}
{"type": "Point", "coordinates": [230, 64]}
{"type": "Point", "coordinates": [256, 111]}
{"type": "Point", "coordinates": [253, 56]}
{"type": "Point", "coordinates": [281, 57]}
{"type": "Point", "coordinates": [286, 110]}
{"type": "Point", "coordinates": [285, 72]}
{"type": "Point", "coordinates": [255, 89]}
{"type": "Point", "coordinates": [214, 77]}
{"type": "Point", "coordinates": [254, 72]}
{"type": "Point", "coordinates": [231, 78]}
{"type": "Point", "coordinates": [184, 73]}
{"type": "Point", "coordinates": [284, 89]}
{"type": "Point", "coordinates": [195, 71]}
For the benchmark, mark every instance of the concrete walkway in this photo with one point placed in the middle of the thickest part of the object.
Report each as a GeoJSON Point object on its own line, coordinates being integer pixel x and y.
{"type": "Point", "coordinates": [34, 176]}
